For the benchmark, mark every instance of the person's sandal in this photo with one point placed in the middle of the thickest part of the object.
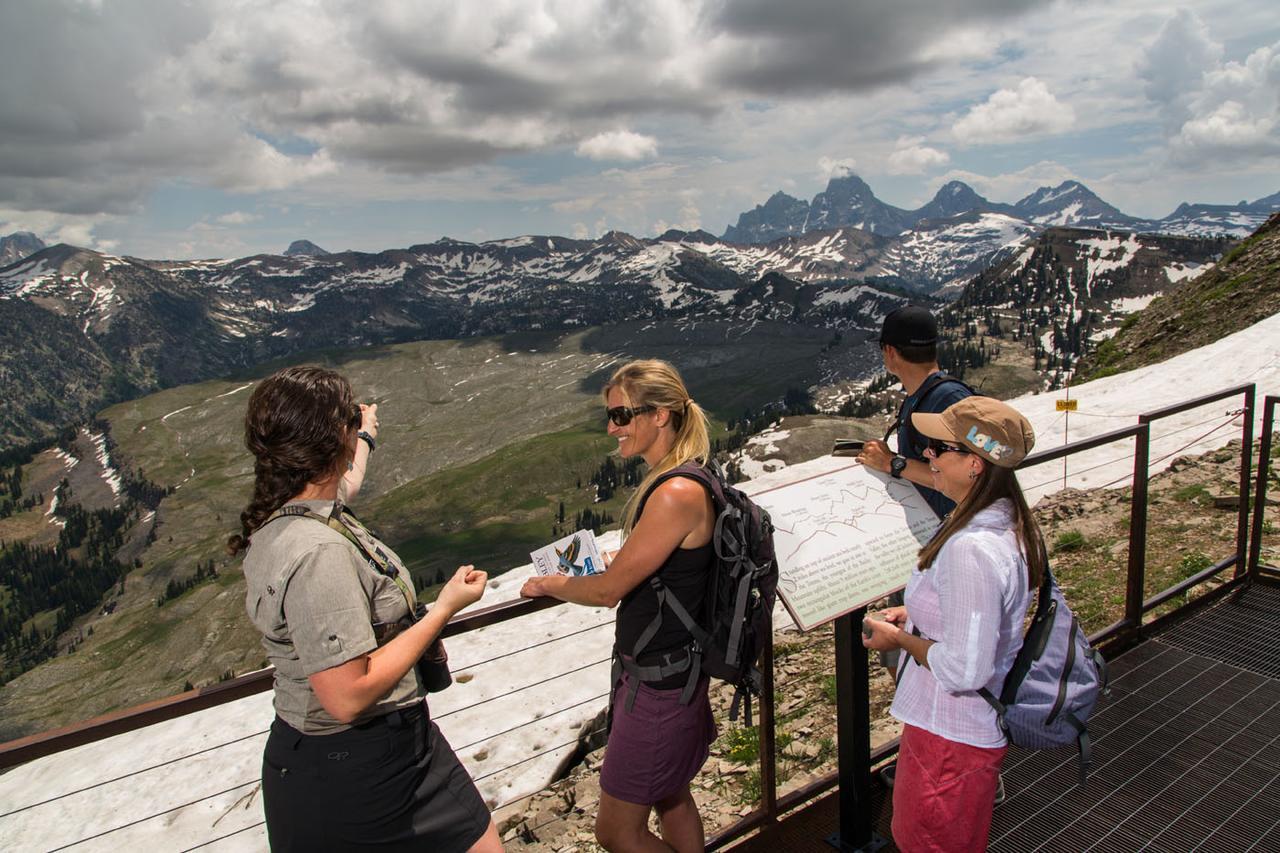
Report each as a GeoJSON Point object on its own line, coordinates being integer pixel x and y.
{"type": "Point", "coordinates": [999, 789]}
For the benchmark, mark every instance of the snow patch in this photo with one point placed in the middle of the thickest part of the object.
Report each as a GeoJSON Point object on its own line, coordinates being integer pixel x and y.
{"type": "Point", "coordinates": [110, 475]}
{"type": "Point", "coordinates": [1181, 272]}
{"type": "Point", "coordinates": [232, 391]}
{"type": "Point", "coordinates": [1131, 304]}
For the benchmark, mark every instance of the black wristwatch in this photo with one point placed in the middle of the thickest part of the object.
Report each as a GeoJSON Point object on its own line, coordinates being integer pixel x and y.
{"type": "Point", "coordinates": [897, 465]}
{"type": "Point", "coordinates": [368, 439]}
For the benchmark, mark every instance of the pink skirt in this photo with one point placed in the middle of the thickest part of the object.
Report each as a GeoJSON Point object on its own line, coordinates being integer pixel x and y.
{"type": "Point", "coordinates": [657, 748]}
{"type": "Point", "coordinates": [943, 793]}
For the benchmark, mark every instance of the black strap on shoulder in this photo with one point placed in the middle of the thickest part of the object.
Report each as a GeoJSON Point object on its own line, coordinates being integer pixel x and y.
{"type": "Point", "coordinates": [709, 475]}
{"type": "Point", "coordinates": [688, 659]}
{"type": "Point", "coordinates": [933, 381]}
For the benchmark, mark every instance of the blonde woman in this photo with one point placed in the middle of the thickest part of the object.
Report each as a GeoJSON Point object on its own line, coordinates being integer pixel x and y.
{"type": "Point", "coordinates": [662, 729]}
{"type": "Point", "coordinates": [961, 627]}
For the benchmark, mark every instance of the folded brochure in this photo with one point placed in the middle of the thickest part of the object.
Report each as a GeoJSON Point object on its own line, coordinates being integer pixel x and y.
{"type": "Point", "coordinates": [576, 555]}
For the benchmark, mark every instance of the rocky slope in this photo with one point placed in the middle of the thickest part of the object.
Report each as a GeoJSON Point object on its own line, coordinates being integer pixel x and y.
{"type": "Point", "coordinates": [1069, 288]}
{"type": "Point", "coordinates": [1241, 290]}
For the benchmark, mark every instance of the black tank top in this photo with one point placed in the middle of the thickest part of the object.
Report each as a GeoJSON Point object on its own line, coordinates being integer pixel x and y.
{"type": "Point", "coordinates": [685, 574]}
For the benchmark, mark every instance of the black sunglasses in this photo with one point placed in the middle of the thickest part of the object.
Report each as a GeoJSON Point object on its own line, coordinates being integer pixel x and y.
{"type": "Point", "coordinates": [939, 447]}
{"type": "Point", "coordinates": [622, 415]}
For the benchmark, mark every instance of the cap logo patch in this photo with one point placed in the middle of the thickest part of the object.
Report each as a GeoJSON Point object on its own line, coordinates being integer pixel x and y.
{"type": "Point", "coordinates": [986, 443]}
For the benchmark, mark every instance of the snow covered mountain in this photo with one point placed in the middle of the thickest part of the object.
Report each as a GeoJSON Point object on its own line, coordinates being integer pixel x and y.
{"type": "Point", "coordinates": [849, 201]}
{"type": "Point", "coordinates": [1072, 203]}
{"type": "Point", "coordinates": [124, 325]}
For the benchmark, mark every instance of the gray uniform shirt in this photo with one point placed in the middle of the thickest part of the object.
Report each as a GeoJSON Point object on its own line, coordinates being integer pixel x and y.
{"type": "Point", "coordinates": [315, 598]}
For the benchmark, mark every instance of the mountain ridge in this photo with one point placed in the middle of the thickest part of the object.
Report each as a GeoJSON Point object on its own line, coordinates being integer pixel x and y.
{"type": "Point", "coordinates": [157, 323]}
{"type": "Point", "coordinates": [849, 200]}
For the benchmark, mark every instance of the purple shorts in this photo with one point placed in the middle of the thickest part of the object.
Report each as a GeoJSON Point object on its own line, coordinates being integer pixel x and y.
{"type": "Point", "coordinates": [657, 748]}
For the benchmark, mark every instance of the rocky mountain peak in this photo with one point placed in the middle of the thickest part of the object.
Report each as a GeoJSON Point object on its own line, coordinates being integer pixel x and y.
{"type": "Point", "coordinates": [848, 200]}
{"type": "Point", "coordinates": [19, 245]}
{"type": "Point", "coordinates": [1072, 203]}
{"type": "Point", "coordinates": [305, 248]}
{"type": "Point", "coordinates": [781, 216]}
{"type": "Point", "coordinates": [955, 198]}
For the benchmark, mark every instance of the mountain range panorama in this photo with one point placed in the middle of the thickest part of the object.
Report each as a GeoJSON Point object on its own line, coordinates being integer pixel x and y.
{"type": "Point", "coordinates": [849, 201]}
{"type": "Point", "coordinates": [84, 328]}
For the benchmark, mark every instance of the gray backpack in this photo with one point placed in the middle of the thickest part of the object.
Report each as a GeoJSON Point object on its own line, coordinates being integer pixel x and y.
{"type": "Point", "coordinates": [1054, 683]}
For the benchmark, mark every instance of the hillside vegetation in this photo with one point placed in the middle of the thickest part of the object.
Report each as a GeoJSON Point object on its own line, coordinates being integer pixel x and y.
{"type": "Point", "coordinates": [488, 446]}
{"type": "Point", "coordinates": [1241, 290]}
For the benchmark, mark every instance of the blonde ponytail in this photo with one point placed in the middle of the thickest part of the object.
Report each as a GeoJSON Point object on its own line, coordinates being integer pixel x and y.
{"type": "Point", "coordinates": [652, 382]}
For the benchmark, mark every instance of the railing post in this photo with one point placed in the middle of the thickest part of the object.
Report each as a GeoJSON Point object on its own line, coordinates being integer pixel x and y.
{"type": "Point", "coordinates": [1246, 461]}
{"type": "Point", "coordinates": [768, 735]}
{"type": "Point", "coordinates": [1260, 490]}
{"type": "Point", "coordinates": [1134, 589]}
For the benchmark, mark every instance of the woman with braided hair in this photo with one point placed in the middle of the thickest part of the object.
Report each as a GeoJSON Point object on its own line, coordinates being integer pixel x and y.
{"type": "Point", "coordinates": [353, 761]}
{"type": "Point", "coordinates": [662, 728]}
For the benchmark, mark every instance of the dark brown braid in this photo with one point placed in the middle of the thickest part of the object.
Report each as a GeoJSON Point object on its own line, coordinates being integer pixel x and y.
{"type": "Point", "coordinates": [297, 427]}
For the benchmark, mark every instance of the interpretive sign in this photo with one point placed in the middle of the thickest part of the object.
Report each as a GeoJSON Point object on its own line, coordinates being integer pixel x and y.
{"type": "Point", "coordinates": [844, 539]}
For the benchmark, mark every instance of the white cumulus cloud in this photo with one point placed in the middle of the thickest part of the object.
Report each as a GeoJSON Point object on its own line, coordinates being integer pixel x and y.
{"type": "Point", "coordinates": [238, 217]}
{"type": "Point", "coordinates": [912, 157]}
{"type": "Point", "coordinates": [1012, 114]}
{"type": "Point", "coordinates": [1173, 66]}
{"type": "Point", "coordinates": [832, 167]}
{"type": "Point", "coordinates": [1236, 114]}
{"type": "Point", "coordinates": [618, 145]}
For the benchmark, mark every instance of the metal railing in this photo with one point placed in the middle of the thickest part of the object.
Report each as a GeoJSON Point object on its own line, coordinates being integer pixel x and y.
{"type": "Point", "coordinates": [1255, 567]}
{"type": "Point", "coordinates": [1127, 631]}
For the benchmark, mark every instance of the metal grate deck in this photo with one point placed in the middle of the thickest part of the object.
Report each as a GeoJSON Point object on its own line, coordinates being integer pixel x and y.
{"type": "Point", "coordinates": [1251, 622]}
{"type": "Point", "coordinates": [1186, 753]}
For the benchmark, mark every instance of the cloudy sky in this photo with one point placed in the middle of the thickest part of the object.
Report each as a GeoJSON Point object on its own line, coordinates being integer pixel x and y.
{"type": "Point", "coordinates": [217, 128]}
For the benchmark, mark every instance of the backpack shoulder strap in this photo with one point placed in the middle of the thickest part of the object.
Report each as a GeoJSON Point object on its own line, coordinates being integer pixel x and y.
{"type": "Point", "coordinates": [931, 384]}
{"type": "Point", "coordinates": [710, 478]}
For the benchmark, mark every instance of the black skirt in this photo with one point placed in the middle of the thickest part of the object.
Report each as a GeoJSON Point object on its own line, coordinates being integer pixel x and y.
{"type": "Point", "coordinates": [392, 783]}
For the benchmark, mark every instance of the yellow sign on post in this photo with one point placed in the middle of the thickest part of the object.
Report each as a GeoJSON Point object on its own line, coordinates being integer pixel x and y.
{"type": "Point", "coordinates": [1067, 405]}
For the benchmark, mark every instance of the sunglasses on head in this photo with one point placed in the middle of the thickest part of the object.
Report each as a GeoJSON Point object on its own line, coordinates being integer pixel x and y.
{"type": "Point", "coordinates": [939, 447]}
{"type": "Point", "coordinates": [622, 415]}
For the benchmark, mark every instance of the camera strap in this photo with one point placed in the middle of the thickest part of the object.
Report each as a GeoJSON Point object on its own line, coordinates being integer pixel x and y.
{"type": "Point", "coordinates": [344, 522]}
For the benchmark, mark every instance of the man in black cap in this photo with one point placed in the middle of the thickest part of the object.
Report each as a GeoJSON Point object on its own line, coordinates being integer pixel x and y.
{"type": "Point", "coordinates": [909, 345]}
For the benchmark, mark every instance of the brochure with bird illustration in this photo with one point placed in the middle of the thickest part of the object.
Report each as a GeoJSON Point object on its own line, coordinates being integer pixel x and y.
{"type": "Point", "coordinates": [575, 555]}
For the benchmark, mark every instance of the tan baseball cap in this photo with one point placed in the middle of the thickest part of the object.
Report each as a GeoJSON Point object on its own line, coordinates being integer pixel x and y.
{"type": "Point", "coordinates": [983, 425]}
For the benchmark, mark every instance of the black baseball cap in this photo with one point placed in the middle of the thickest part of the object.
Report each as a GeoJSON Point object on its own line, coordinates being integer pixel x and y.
{"type": "Point", "coordinates": [909, 326]}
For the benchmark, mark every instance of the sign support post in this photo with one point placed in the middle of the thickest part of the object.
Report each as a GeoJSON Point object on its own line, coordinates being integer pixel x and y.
{"type": "Point", "coordinates": [1066, 406]}
{"type": "Point", "coordinates": [853, 738]}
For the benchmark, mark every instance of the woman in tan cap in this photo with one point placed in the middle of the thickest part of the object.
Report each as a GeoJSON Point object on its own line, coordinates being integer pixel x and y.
{"type": "Point", "coordinates": [961, 627]}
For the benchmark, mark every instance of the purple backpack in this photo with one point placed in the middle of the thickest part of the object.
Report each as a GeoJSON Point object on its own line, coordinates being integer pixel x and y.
{"type": "Point", "coordinates": [1055, 680]}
